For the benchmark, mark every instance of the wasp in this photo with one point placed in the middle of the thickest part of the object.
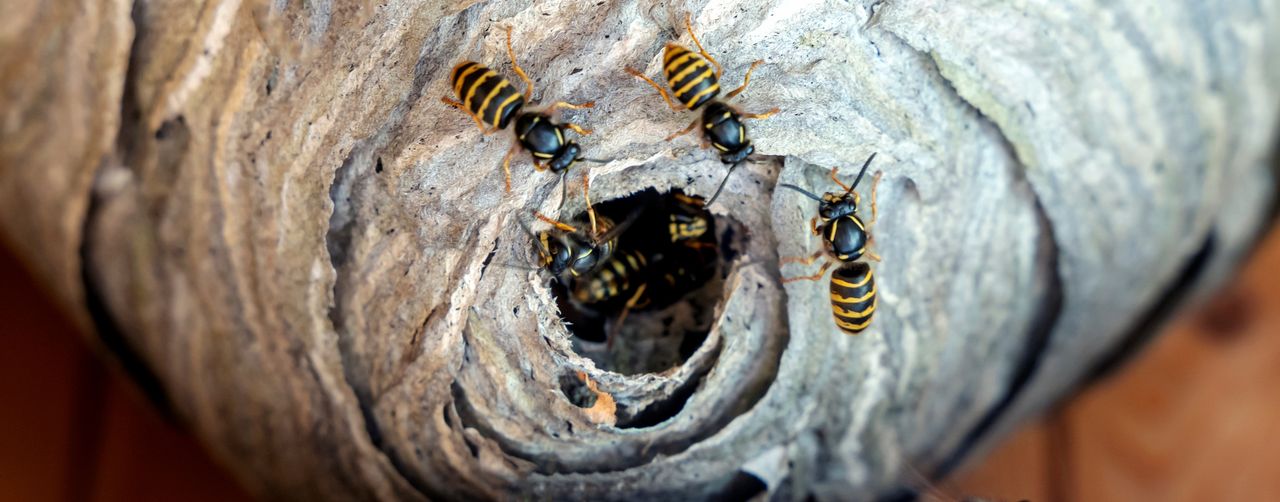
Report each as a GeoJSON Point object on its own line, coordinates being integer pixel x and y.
{"type": "Point", "coordinates": [635, 279]}
{"type": "Point", "coordinates": [680, 245]}
{"type": "Point", "coordinates": [625, 275]}
{"type": "Point", "coordinates": [693, 252]}
{"type": "Point", "coordinates": [694, 83]}
{"type": "Point", "coordinates": [688, 222]}
{"type": "Point", "coordinates": [492, 102]}
{"type": "Point", "coordinates": [568, 252]}
{"type": "Point", "coordinates": [598, 275]}
{"type": "Point", "coordinates": [845, 240]}
{"type": "Point", "coordinates": [655, 264]}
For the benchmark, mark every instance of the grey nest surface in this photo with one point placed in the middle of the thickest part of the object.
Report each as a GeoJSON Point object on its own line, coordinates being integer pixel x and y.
{"type": "Point", "coordinates": [318, 263]}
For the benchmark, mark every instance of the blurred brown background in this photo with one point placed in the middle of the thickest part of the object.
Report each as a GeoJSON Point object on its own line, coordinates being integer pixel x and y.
{"type": "Point", "coordinates": [1193, 418]}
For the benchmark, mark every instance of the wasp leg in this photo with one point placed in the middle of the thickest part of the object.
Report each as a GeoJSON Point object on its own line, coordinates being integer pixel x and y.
{"type": "Point", "coordinates": [804, 260]}
{"type": "Point", "coordinates": [564, 190]}
{"type": "Point", "coordinates": [821, 272]}
{"type": "Point", "coordinates": [528, 84]}
{"type": "Point", "coordinates": [761, 116]}
{"type": "Point", "coordinates": [506, 164]}
{"type": "Point", "coordinates": [875, 182]}
{"type": "Point", "coordinates": [871, 243]}
{"type": "Point", "coordinates": [684, 131]}
{"type": "Point", "coordinates": [666, 97]}
{"type": "Point", "coordinates": [813, 226]}
{"type": "Point", "coordinates": [591, 210]}
{"type": "Point", "coordinates": [688, 23]}
{"type": "Point", "coordinates": [571, 106]}
{"type": "Point", "coordinates": [745, 80]}
{"type": "Point", "coordinates": [577, 128]}
{"type": "Point", "coordinates": [458, 105]}
{"type": "Point", "coordinates": [553, 222]}
{"type": "Point", "coordinates": [846, 188]}
{"type": "Point", "coordinates": [626, 309]}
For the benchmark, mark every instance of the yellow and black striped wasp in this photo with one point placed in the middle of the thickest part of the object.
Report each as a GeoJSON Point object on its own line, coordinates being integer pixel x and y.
{"type": "Point", "coordinates": [492, 101]}
{"type": "Point", "coordinates": [687, 220]}
{"type": "Point", "coordinates": [654, 264]}
{"type": "Point", "coordinates": [690, 257]}
{"type": "Point", "coordinates": [660, 261]}
{"type": "Point", "coordinates": [845, 240]}
{"type": "Point", "coordinates": [588, 263]}
{"type": "Point", "coordinates": [568, 252]}
{"type": "Point", "coordinates": [620, 282]}
{"type": "Point", "coordinates": [694, 84]}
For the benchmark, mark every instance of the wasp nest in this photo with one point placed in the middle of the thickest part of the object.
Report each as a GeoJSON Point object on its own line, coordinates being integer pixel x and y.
{"type": "Point", "coordinates": [268, 213]}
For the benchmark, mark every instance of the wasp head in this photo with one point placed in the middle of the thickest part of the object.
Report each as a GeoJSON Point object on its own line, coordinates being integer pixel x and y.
{"type": "Point", "coordinates": [835, 205]}
{"type": "Point", "coordinates": [553, 254]}
{"type": "Point", "coordinates": [567, 255]}
{"type": "Point", "coordinates": [564, 158]}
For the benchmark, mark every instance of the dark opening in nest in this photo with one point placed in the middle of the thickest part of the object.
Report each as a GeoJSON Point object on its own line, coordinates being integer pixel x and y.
{"type": "Point", "coordinates": [577, 391]}
{"type": "Point", "coordinates": [652, 305]}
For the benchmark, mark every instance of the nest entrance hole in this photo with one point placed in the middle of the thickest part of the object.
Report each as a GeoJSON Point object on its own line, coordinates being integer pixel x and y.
{"type": "Point", "coordinates": [577, 391]}
{"type": "Point", "coordinates": [682, 278]}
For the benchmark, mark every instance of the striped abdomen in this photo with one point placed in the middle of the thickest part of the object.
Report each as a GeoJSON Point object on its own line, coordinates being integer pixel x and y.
{"type": "Point", "coordinates": [684, 227]}
{"type": "Point", "coordinates": [485, 93]}
{"type": "Point", "coordinates": [688, 220]}
{"type": "Point", "coordinates": [853, 297]}
{"type": "Point", "coordinates": [614, 281]}
{"type": "Point", "coordinates": [691, 78]}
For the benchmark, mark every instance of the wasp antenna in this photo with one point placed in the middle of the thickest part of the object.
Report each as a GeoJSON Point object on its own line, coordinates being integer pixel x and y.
{"type": "Point", "coordinates": [526, 228]}
{"type": "Point", "coordinates": [596, 161]}
{"type": "Point", "coordinates": [723, 182]}
{"type": "Point", "coordinates": [865, 165]}
{"type": "Point", "coordinates": [801, 190]}
{"type": "Point", "coordinates": [525, 225]}
{"type": "Point", "coordinates": [564, 189]}
{"type": "Point", "coordinates": [586, 194]}
{"type": "Point", "coordinates": [517, 266]}
{"type": "Point", "coordinates": [617, 229]}
{"type": "Point", "coordinates": [542, 245]}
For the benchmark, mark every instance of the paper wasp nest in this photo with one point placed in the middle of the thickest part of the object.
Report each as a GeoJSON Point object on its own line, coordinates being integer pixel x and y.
{"type": "Point", "coordinates": [271, 216]}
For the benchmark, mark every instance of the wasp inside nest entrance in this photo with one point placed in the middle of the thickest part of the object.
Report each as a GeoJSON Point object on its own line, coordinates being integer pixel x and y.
{"type": "Point", "coordinates": [651, 304]}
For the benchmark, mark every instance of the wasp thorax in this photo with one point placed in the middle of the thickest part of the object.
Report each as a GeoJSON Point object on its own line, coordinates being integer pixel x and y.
{"type": "Point", "coordinates": [568, 255]}
{"type": "Point", "coordinates": [726, 132]}
{"type": "Point", "coordinates": [538, 134]}
{"type": "Point", "coordinates": [527, 121]}
{"type": "Point", "coordinates": [846, 238]}
{"type": "Point", "coordinates": [584, 261]}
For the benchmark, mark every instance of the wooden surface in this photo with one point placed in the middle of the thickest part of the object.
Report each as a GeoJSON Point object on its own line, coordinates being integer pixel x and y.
{"type": "Point", "coordinates": [74, 429]}
{"type": "Point", "coordinates": [1194, 418]}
